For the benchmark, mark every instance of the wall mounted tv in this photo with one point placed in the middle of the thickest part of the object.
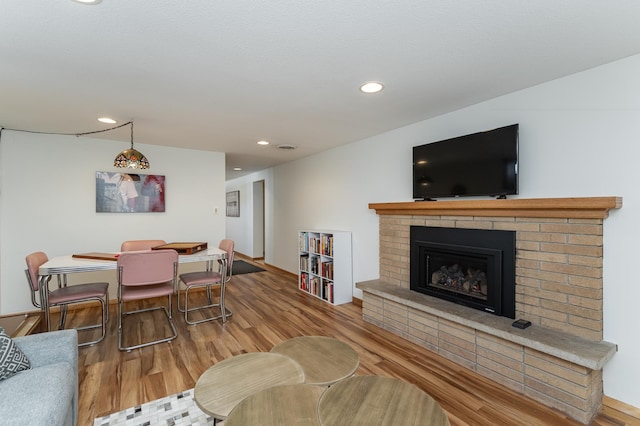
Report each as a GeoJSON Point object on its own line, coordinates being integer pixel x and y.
{"type": "Point", "coordinates": [479, 164]}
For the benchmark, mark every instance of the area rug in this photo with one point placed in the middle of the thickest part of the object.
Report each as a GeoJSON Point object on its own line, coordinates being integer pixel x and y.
{"type": "Point", "coordinates": [242, 267]}
{"type": "Point", "coordinates": [174, 410]}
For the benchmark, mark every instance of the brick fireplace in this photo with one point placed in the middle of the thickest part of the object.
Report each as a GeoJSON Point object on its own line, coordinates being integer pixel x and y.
{"type": "Point", "coordinates": [559, 247]}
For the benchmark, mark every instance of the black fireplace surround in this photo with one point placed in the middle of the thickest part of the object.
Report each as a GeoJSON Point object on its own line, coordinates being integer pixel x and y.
{"type": "Point", "coordinates": [471, 267]}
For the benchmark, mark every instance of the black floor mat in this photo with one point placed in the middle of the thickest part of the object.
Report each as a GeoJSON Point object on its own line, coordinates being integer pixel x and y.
{"type": "Point", "coordinates": [242, 267]}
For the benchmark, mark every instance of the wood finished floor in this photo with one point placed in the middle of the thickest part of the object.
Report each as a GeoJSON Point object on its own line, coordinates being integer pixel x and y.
{"type": "Point", "coordinates": [269, 309]}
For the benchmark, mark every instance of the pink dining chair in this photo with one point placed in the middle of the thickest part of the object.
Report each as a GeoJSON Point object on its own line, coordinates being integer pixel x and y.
{"type": "Point", "coordinates": [145, 275]}
{"type": "Point", "coordinates": [135, 245]}
{"type": "Point", "coordinates": [44, 298]}
{"type": "Point", "coordinates": [208, 279]}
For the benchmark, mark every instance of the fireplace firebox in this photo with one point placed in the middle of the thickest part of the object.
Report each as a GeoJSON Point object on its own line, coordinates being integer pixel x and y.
{"type": "Point", "coordinates": [471, 267]}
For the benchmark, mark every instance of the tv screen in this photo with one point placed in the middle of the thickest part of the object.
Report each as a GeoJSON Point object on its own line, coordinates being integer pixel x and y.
{"type": "Point", "coordinates": [479, 164]}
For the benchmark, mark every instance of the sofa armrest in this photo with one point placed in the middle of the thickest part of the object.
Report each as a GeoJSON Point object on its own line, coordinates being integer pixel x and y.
{"type": "Point", "coordinates": [53, 347]}
{"type": "Point", "coordinates": [49, 348]}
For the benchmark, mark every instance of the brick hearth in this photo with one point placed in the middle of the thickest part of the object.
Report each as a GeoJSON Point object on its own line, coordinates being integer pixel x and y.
{"type": "Point", "coordinates": [559, 247]}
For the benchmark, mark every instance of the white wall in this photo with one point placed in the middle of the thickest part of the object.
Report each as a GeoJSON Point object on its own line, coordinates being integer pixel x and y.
{"type": "Point", "coordinates": [47, 187]}
{"type": "Point", "coordinates": [241, 229]}
{"type": "Point", "coordinates": [578, 137]}
{"type": "Point", "coordinates": [258, 219]}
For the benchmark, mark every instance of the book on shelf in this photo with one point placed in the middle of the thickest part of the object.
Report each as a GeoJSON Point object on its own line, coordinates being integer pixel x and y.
{"type": "Point", "coordinates": [326, 245]}
{"type": "Point", "coordinates": [327, 269]}
{"type": "Point", "coordinates": [303, 242]}
{"type": "Point", "coordinates": [313, 264]}
{"type": "Point", "coordinates": [304, 262]}
{"type": "Point", "coordinates": [327, 290]}
{"type": "Point", "coordinates": [314, 286]}
{"type": "Point", "coordinates": [314, 244]}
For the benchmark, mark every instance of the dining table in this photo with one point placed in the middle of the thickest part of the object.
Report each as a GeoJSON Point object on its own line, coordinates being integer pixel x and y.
{"type": "Point", "coordinates": [60, 266]}
{"type": "Point", "coordinates": [69, 264]}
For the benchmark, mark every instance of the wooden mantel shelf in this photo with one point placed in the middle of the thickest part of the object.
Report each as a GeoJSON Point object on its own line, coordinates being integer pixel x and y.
{"type": "Point", "coordinates": [572, 208]}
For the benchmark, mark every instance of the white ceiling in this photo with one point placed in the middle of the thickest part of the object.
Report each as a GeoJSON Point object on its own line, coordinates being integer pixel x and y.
{"type": "Point", "coordinates": [221, 75]}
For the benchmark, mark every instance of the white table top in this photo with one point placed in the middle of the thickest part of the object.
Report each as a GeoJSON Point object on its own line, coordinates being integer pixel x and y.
{"type": "Point", "coordinates": [68, 264]}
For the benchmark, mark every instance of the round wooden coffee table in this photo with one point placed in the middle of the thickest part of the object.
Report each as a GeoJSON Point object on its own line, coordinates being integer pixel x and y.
{"type": "Point", "coordinates": [324, 360]}
{"type": "Point", "coordinates": [376, 400]}
{"type": "Point", "coordinates": [228, 382]}
{"type": "Point", "coordinates": [279, 405]}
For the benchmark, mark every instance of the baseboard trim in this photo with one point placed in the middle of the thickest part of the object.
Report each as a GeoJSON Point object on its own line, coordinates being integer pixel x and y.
{"type": "Point", "coordinates": [282, 271]}
{"type": "Point", "coordinates": [609, 403]}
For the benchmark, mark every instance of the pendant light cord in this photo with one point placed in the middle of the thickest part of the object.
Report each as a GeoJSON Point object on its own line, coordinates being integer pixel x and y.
{"type": "Point", "coordinates": [142, 162]}
{"type": "Point", "coordinates": [72, 134]}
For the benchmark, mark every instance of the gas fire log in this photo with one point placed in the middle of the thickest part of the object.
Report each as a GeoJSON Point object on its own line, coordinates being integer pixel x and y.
{"type": "Point", "coordinates": [474, 281]}
{"type": "Point", "coordinates": [450, 276]}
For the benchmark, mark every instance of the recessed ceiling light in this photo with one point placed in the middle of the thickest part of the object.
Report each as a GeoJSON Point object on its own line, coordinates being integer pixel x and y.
{"type": "Point", "coordinates": [107, 120]}
{"type": "Point", "coordinates": [263, 142]}
{"type": "Point", "coordinates": [237, 169]}
{"type": "Point", "coordinates": [371, 87]}
{"type": "Point", "coordinates": [88, 1]}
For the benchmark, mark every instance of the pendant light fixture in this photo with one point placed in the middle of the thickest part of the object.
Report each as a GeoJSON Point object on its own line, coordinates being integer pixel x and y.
{"type": "Point", "coordinates": [131, 158]}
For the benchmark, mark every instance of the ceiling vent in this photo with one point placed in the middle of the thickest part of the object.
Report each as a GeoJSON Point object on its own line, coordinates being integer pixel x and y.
{"type": "Point", "coordinates": [286, 147]}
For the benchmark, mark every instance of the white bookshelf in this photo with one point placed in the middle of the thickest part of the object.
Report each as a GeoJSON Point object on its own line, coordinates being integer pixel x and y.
{"type": "Point", "coordinates": [325, 269]}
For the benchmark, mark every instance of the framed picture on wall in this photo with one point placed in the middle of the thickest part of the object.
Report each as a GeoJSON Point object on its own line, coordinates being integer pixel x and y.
{"type": "Point", "coordinates": [129, 193]}
{"type": "Point", "coordinates": [233, 204]}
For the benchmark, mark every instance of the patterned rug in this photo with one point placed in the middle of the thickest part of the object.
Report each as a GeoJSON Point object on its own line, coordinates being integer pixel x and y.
{"type": "Point", "coordinates": [174, 410]}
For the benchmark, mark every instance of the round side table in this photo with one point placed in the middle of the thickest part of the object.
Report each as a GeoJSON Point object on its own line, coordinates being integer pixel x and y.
{"type": "Point", "coordinates": [279, 405]}
{"type": "Point", "coordinates": [228, 382]}
{"type": "Point", "coordinates": [376, 400]}
{"type": "Point", "coordinates": [324, 360]}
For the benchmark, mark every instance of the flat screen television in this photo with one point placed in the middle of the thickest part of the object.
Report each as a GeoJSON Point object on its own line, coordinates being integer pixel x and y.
{"type": "Point", "coordinates": [479, 164]}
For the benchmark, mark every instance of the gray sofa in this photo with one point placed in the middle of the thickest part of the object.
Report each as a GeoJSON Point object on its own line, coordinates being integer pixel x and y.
{"type": "Point", "coordinates": [46, 394]}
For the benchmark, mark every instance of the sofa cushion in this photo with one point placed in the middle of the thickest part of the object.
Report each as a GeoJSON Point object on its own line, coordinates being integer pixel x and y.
{"type": "Point", "coordinates": [12, 359]}
{"type": "Point", "coordinates": [39, 396]}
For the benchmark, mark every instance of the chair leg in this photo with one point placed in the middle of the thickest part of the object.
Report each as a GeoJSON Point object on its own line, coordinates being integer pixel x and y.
{"type": "Point", "coordinates": [222, 307]}
{"type": "Point", "coordinates": [47, 314]}
{"type": "Point", "coordinates": [63, 317]}
{"type": "Point", "coordinates": [168, 314]}
{"type": "Point", "coordinates": [104, 319]}
{"type": "Point", "coordinates": [119, 316]}
{"type": "Point", "coordinates": [224, 311]}
{"type": "Point", "coordinates": [104, 305]}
